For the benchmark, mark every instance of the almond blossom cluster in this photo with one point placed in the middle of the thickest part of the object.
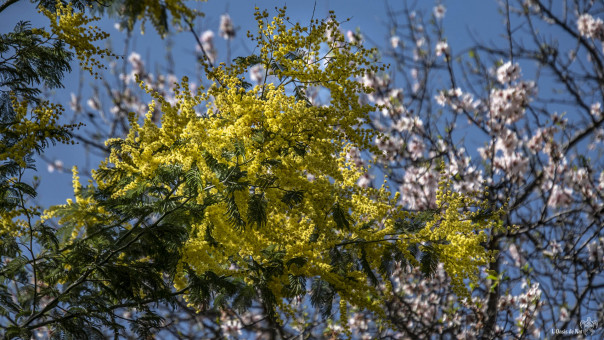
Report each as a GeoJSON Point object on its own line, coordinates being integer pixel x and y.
{"type": "Point", "coordinates": [424, 308]}
{"type": "Point", "coordinates": [129, 100]}
{"type": "Point", "coordinates": [508, 72]}
{"type": "Point", "coordinates": [405, 140]}
{"type": "Point", "coordinates": [442, 48]}
{"type": "Point", "coordinates": [529, 305]}
{"type": "Point", "coordinates": [207, 45]}
{"type": "Point", "coordinates": [458, 100]}
{"type": "Point", "coordinates": [231, 326]}
{"type": "Point", "coordinates": [226, 29]}
{"type": "Point", "coordinates": [508, 105]}
{"type": "Point", "coordinates": [536, 151]}
{"type": "Point", "coordinates": [590, 27]}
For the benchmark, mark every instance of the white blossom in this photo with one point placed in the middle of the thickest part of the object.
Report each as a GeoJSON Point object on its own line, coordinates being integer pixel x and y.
{"type": "Point", "coordinates": [364, 180]}
{"type": "Point", "coordinates": [257, 73]}
{"type": "Point", "coordinates": [442, 48]}
{"type": "Point", "coordinates": [560, 196]}
{"type": "Point", "coordinates": [439, 11]}
{"type": "Point", "coordinates": [74, 103]}
{"type": "Point", "coordinates": [590, 27]}
{"type": "Point", "coordinates": [207, 42]}
{"type": "Point", "coordinates": [596, 110]}
{"type": "Point", "coordinates": [232, 327]}
{"type": "Point", "coordinates": [226, 29]}
{"type": "Point", "coordinates": [56, 165]}
{"type": "Point", "coordinates": [395, 41]}
{"type": "Point", "coordinates": [508, 72]}
{"type": "Point", "coordinates": [94, 103]}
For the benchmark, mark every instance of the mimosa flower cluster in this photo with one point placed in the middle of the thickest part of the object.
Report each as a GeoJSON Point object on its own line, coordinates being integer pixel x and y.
{"type": "Point", "coordinates": [274, 179]}
{"type": "Point", "coordinates": [75, 30]}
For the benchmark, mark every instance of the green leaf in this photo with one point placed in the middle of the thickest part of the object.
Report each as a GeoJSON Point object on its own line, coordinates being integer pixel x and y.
{"type": "Point", "coordinates": [256, 213]}
{"type": "Point", "coordinates": [294, 55]}
{"type": "Point", "coordinates": [297, 261]}
{"type": "Point", "coordinates": [239, 147]}
{"type": "Point", "coordinates": [300, 149]}
{"type": "Point", "coordinates": [340, 216]}
{"type": "Point", "coordinates": [314, 237]}
{"type": "Point", "coordinates": [300, 95]}
{"type": "Point", "coordinates": [429, 260]}
{"type": "Point", "coordinates": [321, 296]}
{"type": "Point", "coordinates": [265, 181]}
{"type": "Point", "coordinates": [292, 197]}
{"type": "Point", "coordinates": [483, 215]}
{"type": "Point", "coordinates": [296, 285]}
{"type": "Point", "coordinates": [367, 268]}
{"type": "Point", "coordinates": [208, 236]}
{"type": "Point", "coordinates": [247, 61]}
{"type": "Point", "coordinates": [220, 301]}
{"type": "Point", "coordinates": [244, 298]}
{"type": "Point", "coordinates": [17, 265]}
{"type": "Point", "coordinates": [233, 214]}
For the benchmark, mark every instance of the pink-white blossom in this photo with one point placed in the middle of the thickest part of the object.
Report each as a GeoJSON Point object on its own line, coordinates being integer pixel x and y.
{"type": "Point", "coordinates": [257, 73]}
{"type": "Point", "coordinates": [365, 180]}
{"type": "Point", "coordinates": [207, 43]}
{"type": "Point", "coordinates": [56, 165]}
{"type": "Point", "coordinates": [232, 327]}
{"type": "Point", "coordinates": [442, 48]}
{"type": "Point", "coordinates": [596, 110]}
{"type": "Point", "coordinates": [226, 29]}
{"type": "Point", "coordinates": [560, 196]}
{"type": "Point", "coordinates": [508, 105]}
{"type": "Point", "coordinates": [439, 11]}
{"type": "Point", "coordinates": [590, 27]}
{"type": "Point", "coordinates": [508, 72]}
{"type": "Point", "coordinates": [395, 41]}
{"type": "Point", "coordinates": [74, 103]}
{"type": "Point", "coordinates": [416, 148]}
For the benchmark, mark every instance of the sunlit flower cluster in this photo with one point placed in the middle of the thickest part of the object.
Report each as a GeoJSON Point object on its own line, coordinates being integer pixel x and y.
{"type": "Point", "coordinates": [276, 144]}
{"type": "Point", "coordinates": [30, 127]}
{"type": "Point", "coordinates": [75, 30]}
